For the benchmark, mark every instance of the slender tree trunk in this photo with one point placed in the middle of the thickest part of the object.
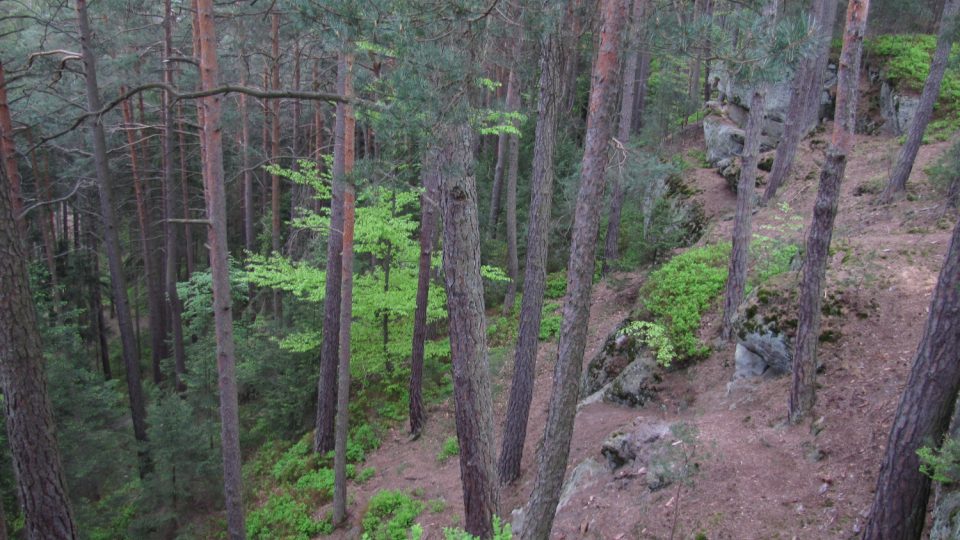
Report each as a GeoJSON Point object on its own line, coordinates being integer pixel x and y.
{"type": "Point", "coordinates": [185, 193]}
{"type": "Point", "coordinates": [496, 192]}
{"type": "Point", "coordinates": [216, 199]}
{"type": "Point", "coordinates": [900, 503]}
{"type": "Point", "coordinates": [740, 253]}
{"type": "Point", "coordinates": [803, 392]}
{"type": "Point", "coordinates": [150, 275]}
{"type": "Point", "coordinates": [8, 155]}
{"type": "Point", "coordinates": [45, 194]}
{"type": "Point", "coordinates": [513, 159]}
{"type": "Point", "coordinates": [804, 97]}
{"type": "Point", "coordinates": [111, 239]}
{"type": "Point", "coordinates": [248, 238]}
{"type": "Point", "coordinates": [174, 307]}
{"type": "Point", "coordinates": [275, 158]}
{"type": "Point", "coordinates": [552, 460]}
{"type": "Point", "coordinates": [96, 306]}
{"type": "Point", "coordinates": [611, 250]}
{"type": "Point", "coordinates": [468, 339]}
{"type": "Point", "coordinates": [343, 158]}
{"type": "Point", "coordinates": [429, 201]}
{"type": "Point", "coordinates": [554, 50]}
{"type": "Point", "coordinates": [41, 483]}
{"type": "Point", "coordinates": [693, 83]}
{"type": "Point", "coordinates": [931, 90]}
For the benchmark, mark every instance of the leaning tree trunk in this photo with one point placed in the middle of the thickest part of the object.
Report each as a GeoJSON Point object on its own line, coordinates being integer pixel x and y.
{"type": "Point", "coordinates": [513, 158]}
{"type": "Point", "coordinates": [803, 392]}
{"type": "Point", "coordinates": [552, 460]}
{"type": "Point", "coordinates": [343, 158]}
{"type": "Point", "coordinates": [216, 198]}
{"type": "Point", "coordinates": [931, 90]}
{"type": "Point", "coordinates": [468, 336]}
{"type": "Point", "coordinates": [740, 253]}
{"type": "Point", "coordinates": [611, 252]}
{"type": "Point", "coordinates": [552, 81]}
{"type": "Point", "coordinates": [111, 239]}
{"type": "Point", "coordinates": [429, 201]}
{"type": "Point", "coordinates": [41, 483]}
{"type": "Point", "coordinates": [804, 97]}
{"type": "Point", "coordinates": [900, 503]}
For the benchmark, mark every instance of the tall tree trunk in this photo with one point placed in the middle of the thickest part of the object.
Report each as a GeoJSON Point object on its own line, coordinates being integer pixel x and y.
{"type": "Point", "coordinates": [96, 304]}
{"type": "Point", "coordinates": [131, 361]}
{"type": "Point", "coordinates": [900, 503]}
{"type": "Point", "coordinates": [693, 82]}
{"type": "Point", "coordinates": [41, 483]}
{"type": "Point", "coordinates": [343, 158]}
{"type": "Point", "coordinates": [429, 200]}
{"type": "Point", "coordinates": [185, 193]}
{"type": "Point", "coordinates": [345, 87]}
{"type": "Point", "coordinates": [554, 50]}
{"type": "Point", "coordinates": [803, 392]}
{"type": "Point", "coordinates": [804, 97]}
{"type": "Point", "coordinates": [496, 192]}
{"type": "Point", "coordinates": [45, 195]}
{"type": "Point", "coordinates": [158, 344]}
{"type": "Point", "coordinates": [275, 158]}
{"type": "Point", "coordinates": [248, 238]}
{"type": "Point", "coordinates": [174, 307]}
{"type": "Point", "coordinates": [468, 338]}
{"type": "Point", "coordinates": [513, 159]}
{"type": "Point", "coordinates": [746, 185]}
{"type": "Point", "coordinates": [8, 155]}
{"type": "Point", "coordinates": [931, 90]}
{"type": "Point", "coordinates": [552, 460]}
{"type": "Point", "coordinates": [216, 199]}
{"type": "Point", "coordinates": [611, 250]}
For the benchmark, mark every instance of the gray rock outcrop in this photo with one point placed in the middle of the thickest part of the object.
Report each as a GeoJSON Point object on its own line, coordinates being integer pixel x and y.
{"type": "Point", "coordinates": [897, 108]}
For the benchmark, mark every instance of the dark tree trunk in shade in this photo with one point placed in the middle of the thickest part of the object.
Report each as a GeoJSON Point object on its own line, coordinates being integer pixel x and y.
{"type": "Point", "coordinates": [555, 451]}
{"type": "Point", "coordinates": [111, 239]}
{"type": "Point", "coordinates": [804, 98]}
{"type": "Point", "coordinates": [900, 503]}
{"type": "Point", "coordinates": [611, 252]}
{"type": "Point", "coordinates": [275, 156]}
{"type": "Point", "coordinates": [216, 198]}
{"type": "Point", "coordinates": [642, 86]}
{"type": "Point", "coordinates": [8, 155]}
{"type": "Point", "coordinates": [740, 253]}
{"type": "Point", "coordinates": [174, 307]}
{"type": "Point", "coordinates": [429, 201]}
{"type": "Point", "coordinates": [554, 50]}
{"type": "Point", "coordinates": [41, 483]}
{"type": "Point", "coordinates": [513, 163]}
{"type": "Point", "coordinates": [248, 235]}
{"type": "Point", "coordinates": [184, 193]}
{"type": "Point", "coordinates": [496, 191]}
{"type": "Point", "coordinates": [803, 392]}
{"type": "Point", "coordinates": [343, 158]}
{"type": "Point", "coordinates": [345, 87]}
{"type": "Point", "coordinates": [928, 98]}
{"type": "Point", "coordinates": [468, 337]}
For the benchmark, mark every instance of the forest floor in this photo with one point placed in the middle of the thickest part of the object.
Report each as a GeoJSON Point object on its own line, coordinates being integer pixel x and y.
{"type": "Point", "coordinates": [757, 476]}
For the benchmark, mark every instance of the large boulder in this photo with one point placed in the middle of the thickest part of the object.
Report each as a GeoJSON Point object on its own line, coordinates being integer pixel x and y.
{"type": "Point", "coordinates": [618, 351]}
{"type": "Point", "coordinates": [587, 473]}
{"type": "Point", "coordinates": [897, 108]}
{"type": "Point", "coordinates": [723, 138]}
{"type": "Point", "coordinates": [636, 384]}
{"type": "Point", "coordinates": [640, 441]}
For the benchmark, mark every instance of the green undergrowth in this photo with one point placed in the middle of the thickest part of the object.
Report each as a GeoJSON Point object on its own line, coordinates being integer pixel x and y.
{"type": "Point", "coordinates": [904, 59]}
{"type": "Point", "coordinates": [390, 515]}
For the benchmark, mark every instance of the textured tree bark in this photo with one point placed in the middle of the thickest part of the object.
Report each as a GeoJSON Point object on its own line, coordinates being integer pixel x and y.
{"type": "Point", "coordinates": [41, 483]}
{"type": "Point", "coordinates": [804, 97]}
{"type": "Point", "coordinates": [496, 192]}
{"type": "Point", "coordinates": [611, 251]}
{"type": "Point", "coordinates": [429, 201]}
{"type": "Point", "coordinates": [928, 98]}
{"type": "Point", "coordinates": [740, 253]}
{"type": "Point", "coordinates": [158, 343]}
{"type": "Point", "coordinates": [216, 198]}
{"type": "Point", "coordinates": [468, 338]}
{"type": "Point", "coordinates": [554, 50]}
{"type": "Point", "coordinates": [174, 307]}
{"type": "Point", "coordinates": [8, 154]}
{"type": "Point", "coordinates": [184, 192]}
{"type": "Point", "coordinates": [513, 160]}
{"type": "Point", "coordinates": [275, 157]}
{"type": "Point", "coordinates": [111, 239]}
{"type": "Point", "coordinates": [900, 503]}
{"type": "Point", "coordinates": [803, 392]}
{"type": "Point", "coordinates": [343, 158]}
{"type": "Point", "coordinates": [552, 460]}
{"type": "Point", "coordinates": [343, 369]}
{"type": "Point", "coordinates": [248, 237]}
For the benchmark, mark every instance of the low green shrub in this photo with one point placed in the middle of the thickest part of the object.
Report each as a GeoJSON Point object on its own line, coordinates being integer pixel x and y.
{"type": "Point", "coordinates": [943, 464]}
{"type": "Point", "coordinates": [450, 448]}
{"type": "Point", "coordinates": [500, 532]}
{"type": "Point", "coordinates": [295, 462]}
{"type": "Point", "coordinates": [550, 321]}
{"type": "Point", "coordinates": [556, 285]}
{"type": "Point", "coordinates": [390, 516]}
{"type": "Point", "coordinates": [655, 337]}
{"type": "Point", "coordinates": [282, 518]}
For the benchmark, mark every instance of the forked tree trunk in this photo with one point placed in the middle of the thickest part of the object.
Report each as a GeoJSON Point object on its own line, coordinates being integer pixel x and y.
{"type": "Point", "coordinates": [513, 159]}
{"type": "Point", "coordinates": [345, 87]}
{"type": "Point", "coordinates": [900, 503]}
{"type": "Point", "coordinates": [216, 197]}
{"type": "Point", "coordinates": [41, 483]}
{"type": "Point", "coordinates": [740, 253]}
{"type": "Point", "coordinates": [468, 336]}
{"type": "Point", "coordinates": [554, 50]}
{"type": "Point", "coordinates": [928, 98]}
{"type": "Point", "coordinates": [803, 392]}
{"type": "Point", "coordinates": [429, 201]}
{"type": "Point", "coordinates": [552, 460]}
{"type": "Point", "coordinates": [611, 250]}
{"type": "Point", "coordinates": [111, 239]}
{"type": "Point", "coordinates": [804, 97]}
